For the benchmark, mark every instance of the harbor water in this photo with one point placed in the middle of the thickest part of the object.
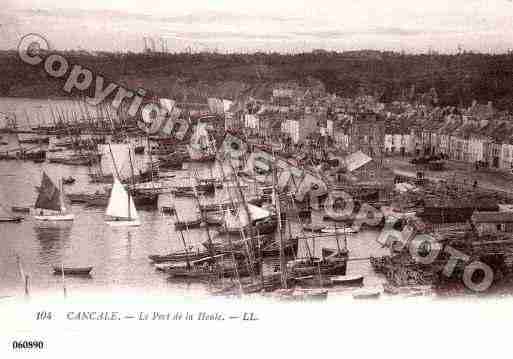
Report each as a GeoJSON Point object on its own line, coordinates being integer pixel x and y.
{"type": "Point", "coordinates": [119, 255]}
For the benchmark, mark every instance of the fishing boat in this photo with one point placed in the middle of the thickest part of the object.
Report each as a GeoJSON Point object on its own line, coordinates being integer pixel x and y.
{"type": "Point", "coordinates": [348, 280]}
{"type": "Point", "coordinates": [77, 271]}
{"type": "Point", "coordinates": [5, 216]}
{"type": "Point", "coordinates": [314, 266]}
{"type": "Point", "coordinates": [51, 198]}
{"type": "Point", "coordinates": [209, 268]}
{"type": "Point", "coordinates": [121, 211]}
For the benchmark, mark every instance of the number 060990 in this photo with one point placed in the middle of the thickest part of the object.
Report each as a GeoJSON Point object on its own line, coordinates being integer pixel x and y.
{"type": "Point", "coordinates": [28, 344]}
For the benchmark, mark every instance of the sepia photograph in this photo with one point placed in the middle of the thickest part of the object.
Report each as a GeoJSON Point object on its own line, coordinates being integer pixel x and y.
{"type": "Point", "coordinates": [216, 170]}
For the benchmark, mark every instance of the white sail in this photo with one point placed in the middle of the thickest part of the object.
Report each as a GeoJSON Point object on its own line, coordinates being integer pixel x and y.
{"type": "Point", "coordinates": [241, 218]}
{"type": "Point", "coordinates": [120, 204]}
{"type": "Point", "coordinates": [258, 213]}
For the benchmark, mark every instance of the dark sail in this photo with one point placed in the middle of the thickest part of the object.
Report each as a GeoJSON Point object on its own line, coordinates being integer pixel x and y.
{"type": "Point", "coordinates": [49, 195]}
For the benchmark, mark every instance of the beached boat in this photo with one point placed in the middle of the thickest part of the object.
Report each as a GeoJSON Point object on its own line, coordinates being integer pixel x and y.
{"type": "Point", "coordinates": [348, 280]}
{"type": "Point", "coordinates": [121, 211]}
{"type": "Point", "coordinates": [77, 271]}
{"type": "Point", "coordinates": [51, 198]}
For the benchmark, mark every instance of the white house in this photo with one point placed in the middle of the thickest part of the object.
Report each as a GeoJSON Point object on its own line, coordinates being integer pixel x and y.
{"type": "Point", "coordinates": [291, 127]}
{"type": "Point", "coordinates": [251, 121]}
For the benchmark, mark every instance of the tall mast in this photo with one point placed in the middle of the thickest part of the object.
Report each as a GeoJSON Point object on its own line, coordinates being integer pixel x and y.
{"type": "Point", "coordinates": [276, 198]}
{"type": "Point", "coordinates": [203, 218]}
{"type": "Point", "coordinates": [133, 181]}
{"type": "Point", "coordinates": [250, 220]}
{"type": "Point", "coordinates": [230, 243]}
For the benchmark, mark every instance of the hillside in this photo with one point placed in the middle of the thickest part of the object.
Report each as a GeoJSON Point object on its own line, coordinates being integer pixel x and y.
{"type": "Point", "coordinates": [194, 77]}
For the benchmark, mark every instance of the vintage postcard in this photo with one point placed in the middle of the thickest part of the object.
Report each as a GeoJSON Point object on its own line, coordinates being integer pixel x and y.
{"type": "Point", "coordinates": [255, 177]}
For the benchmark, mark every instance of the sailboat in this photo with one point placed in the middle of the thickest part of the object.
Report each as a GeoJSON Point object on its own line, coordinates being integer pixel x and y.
{"type": "Point", "coordinates": [121, 208]}
{"type": "Point", "coordinates": [51, 199]}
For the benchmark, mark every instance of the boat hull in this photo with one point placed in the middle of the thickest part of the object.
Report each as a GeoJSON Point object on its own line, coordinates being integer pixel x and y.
{"type": "Point", "coordinates": [135, 223]}
{"type": "Point", "coordinates": [56, 218]}
{"type": "Point", "coordinates": [11, 220]}
{"type": "Point", "coordinates": [349, 281]}
{"type": "Point", "coordinates": [84, 271]}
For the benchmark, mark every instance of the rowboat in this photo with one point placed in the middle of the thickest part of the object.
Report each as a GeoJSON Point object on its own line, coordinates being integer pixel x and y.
{"type": "Point", "coordinates": [79, 271]}
{"type": "Point", "coordinates": [367, 294]}
{"type": "Point", "coordinates": [348, 280]}
{"type": "Point", "coordinates": [302, 295]}
{"type": "Point", "coordinates": [178, 256]}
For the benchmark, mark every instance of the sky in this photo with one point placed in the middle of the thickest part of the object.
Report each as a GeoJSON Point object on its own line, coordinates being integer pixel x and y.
{"type": "Point", "coordinates": [284, 25]}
